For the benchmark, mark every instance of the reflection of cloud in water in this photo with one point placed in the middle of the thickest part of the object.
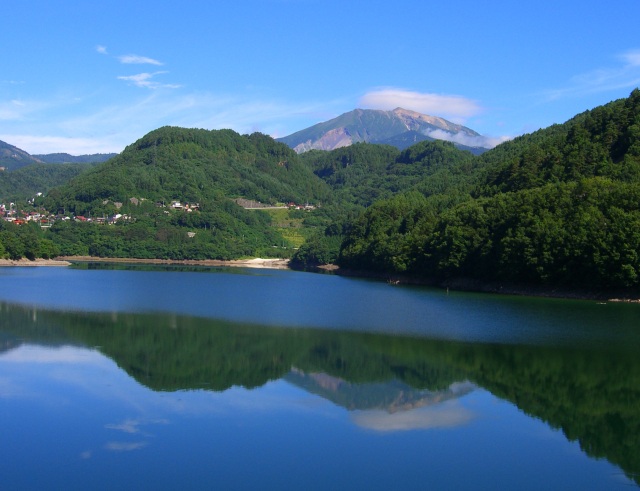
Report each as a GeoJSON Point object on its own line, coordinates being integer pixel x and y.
{"type": "Point", "coordinates": [9, 389]}
{"type": "Point", "coordinates": [128, 426]}
{"type": "Point", "coordinates": [124, 446]}
{"type": "Point", "coordinates": [446, 415]}
{"type": "Point", "coordinates": [44, 354]}
{"type": "Point", "coordinates": [133, 425]}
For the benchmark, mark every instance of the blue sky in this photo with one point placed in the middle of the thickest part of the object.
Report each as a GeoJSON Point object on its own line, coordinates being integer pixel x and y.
{"type": "Point", "coordinates": [87, 77]}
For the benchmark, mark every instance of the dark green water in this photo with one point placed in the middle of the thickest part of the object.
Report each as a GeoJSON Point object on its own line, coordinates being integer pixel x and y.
{"type": "Point", "coordinates": [259, 379]}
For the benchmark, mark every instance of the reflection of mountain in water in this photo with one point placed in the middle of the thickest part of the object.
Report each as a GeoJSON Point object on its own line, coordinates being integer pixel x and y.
{"type": "Point", "coordinates": [592, 394]}
{"type": "Point", "coordinates": [391, 396]}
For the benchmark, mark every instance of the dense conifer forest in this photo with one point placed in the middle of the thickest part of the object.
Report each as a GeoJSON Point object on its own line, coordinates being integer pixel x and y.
{"type": "Point", "coordinates": [559, 207]}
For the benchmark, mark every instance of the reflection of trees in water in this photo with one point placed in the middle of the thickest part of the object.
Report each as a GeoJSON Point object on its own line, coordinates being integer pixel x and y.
{"type": "Point", "coordinates": [592, 394]}
{"type": "Point", "coordinates": [8, 344]}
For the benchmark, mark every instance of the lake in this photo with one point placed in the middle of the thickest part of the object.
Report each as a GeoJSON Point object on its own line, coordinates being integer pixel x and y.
{"type": "Point", "coordinates": [232, 378]}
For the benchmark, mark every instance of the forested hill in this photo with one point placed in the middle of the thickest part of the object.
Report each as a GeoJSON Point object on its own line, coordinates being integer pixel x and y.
{"type": "Point", "coordinates": [170, 195]}
{"type": "Point", "coordinates": [363, 172]}
{"type": "Point", "coordinates": [192, 165]}
{"type": "Point", "coordinates": [603, 142]}
{"type": "Point", "coordinates": [24, 183]}
{"type": "Point", "coordinates": [559, 207]}
{"type": "Point", "coordinates": [12, 158]}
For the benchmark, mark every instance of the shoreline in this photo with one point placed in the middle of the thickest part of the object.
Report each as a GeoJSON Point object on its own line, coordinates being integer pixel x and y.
{"type": "Point", "coordinates": [35, 262]}
{"type": "Point", "coordinates": [257, 262]}
{"type": "Point", "coordinates": [500, 288]}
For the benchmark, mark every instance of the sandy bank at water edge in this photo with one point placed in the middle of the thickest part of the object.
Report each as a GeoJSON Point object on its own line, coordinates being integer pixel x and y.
{"type": "Point", "coordinates": [246, 263]}
{"type": "Point", "coordinates": [36, 262]}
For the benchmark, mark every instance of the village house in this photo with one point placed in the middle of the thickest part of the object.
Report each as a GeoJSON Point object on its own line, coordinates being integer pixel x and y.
{"type": "Point", "coordinates": [33, 216]}
{"type": "Point", "coordinates": [113, 218]}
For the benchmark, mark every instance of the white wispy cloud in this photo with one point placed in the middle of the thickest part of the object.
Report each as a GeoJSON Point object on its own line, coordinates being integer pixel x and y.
{"type": "Point", "coordinates": [11, 110]}
{"type": "Point", "coordinates": [624, 75]}
{"type": "Point", "coordinates": [631, 58]}
{"type": "Point", "coordinates": [452, 107]}
{"type": "Point", "coordinates": [17, 110]}
{"type": "Point", "coordinates": [109, 126]}
{"type": "Point", "coordinates": [145, 80]}
{"type": "Point", "coordinates": [37, 144]}
{"type": "Point", "coordinates": [140, 79]}
{"type": "Point", "coordinates": [138, 60]}
{"type": "Point", "coordinates": [468, 140]}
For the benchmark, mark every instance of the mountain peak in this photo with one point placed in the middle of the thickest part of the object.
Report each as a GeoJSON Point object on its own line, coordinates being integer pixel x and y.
{"type": "Point", "coordinates": [433, 120]}
{"type": "Point", "coordinates": [380, 126]}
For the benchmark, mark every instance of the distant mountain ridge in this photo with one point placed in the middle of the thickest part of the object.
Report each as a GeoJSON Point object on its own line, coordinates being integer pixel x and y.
{"type": "Point", "coordinates": [12, 158]}
{"type": "Point", "coordinates": [400, 128]}
{"type": "Point", "coordinates": [65, 158]}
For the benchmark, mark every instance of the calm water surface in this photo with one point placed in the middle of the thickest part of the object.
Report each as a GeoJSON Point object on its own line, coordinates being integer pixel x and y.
{"type": "Point", "coordinates": [257, 379]}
